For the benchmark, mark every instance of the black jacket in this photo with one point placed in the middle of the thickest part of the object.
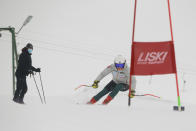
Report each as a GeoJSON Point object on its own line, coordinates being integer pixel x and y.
{"type": "Point", "coordinates": [24, 64]}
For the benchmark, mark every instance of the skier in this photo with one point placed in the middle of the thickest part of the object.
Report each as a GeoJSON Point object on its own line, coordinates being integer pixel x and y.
{"type": "Point", "coordinates": [24, 69]}
{"type": "Point", "coordinates": [120, 82]}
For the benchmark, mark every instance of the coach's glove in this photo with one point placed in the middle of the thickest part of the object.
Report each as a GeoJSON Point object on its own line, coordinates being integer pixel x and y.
{"type": "Point", "coordinates": [30, 72]}
{"type": "Point", "coordinates": [38, 70]}
{"type": "Point", "coordinates": [95, 84]}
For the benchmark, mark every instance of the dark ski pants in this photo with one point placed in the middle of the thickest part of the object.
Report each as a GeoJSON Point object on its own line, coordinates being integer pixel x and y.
{"type": "Point", "coordinates": [21, 88]}
{"type": "Point", "coordinates": [111, 88]}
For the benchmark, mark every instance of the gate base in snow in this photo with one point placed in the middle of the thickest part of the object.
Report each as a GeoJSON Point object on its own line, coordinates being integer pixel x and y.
{"type": "Point", "coordinates": [178, 108]}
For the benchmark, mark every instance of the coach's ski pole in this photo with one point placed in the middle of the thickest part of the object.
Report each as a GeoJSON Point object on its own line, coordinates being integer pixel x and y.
{"type": "Point", "coordinates": [37, 89]}
{"type": "Point", "coordinates": [42, 87]}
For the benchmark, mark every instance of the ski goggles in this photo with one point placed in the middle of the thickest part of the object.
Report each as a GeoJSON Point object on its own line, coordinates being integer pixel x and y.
{"type": "Point", "coordinates": [119, 65]}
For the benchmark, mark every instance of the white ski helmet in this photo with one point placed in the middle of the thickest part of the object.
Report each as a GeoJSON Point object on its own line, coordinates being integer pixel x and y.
{"type": "Point", "coordinates": [119, 61]}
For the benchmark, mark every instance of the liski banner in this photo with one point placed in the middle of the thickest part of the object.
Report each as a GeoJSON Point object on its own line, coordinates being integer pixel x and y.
{"type": "Point", "coordinates": [152, 58]}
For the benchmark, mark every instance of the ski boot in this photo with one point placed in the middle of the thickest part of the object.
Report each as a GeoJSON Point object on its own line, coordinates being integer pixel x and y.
{"type": "Point", "coordinates": [16, 99]}
{"type": "Point", "coordinates": [107, 100]}
{"type": "Point", "coordinates": [20, 101]}
{"type": "Point", "coordinates": [92, 101]}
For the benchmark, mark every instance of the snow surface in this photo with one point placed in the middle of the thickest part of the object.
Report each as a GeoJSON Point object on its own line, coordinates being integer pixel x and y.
{"type": "Point", "coordinates": [73, 42]}
{"type": "Point", "coordinates": [62, 113]}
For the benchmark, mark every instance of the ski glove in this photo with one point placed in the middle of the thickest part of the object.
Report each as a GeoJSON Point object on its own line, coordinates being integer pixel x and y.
{"type": "Point", "coordinates": [95, 84]}
{"type": "Point", "coordinates": [38, 70]}
{"type": "Point", "coordinates": [132, 94]}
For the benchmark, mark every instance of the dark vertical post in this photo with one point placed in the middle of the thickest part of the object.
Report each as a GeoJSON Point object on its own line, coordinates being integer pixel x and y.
{"type": "Point", "coordinates": [14, 57]}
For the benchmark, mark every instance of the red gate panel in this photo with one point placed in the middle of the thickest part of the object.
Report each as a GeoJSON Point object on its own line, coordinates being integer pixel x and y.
{"type": "Point", "coordinates": [151, 58]}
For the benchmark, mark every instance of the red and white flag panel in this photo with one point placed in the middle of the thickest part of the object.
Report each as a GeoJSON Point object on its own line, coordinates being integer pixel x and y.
{"type": "Point", "coordinates": [153, 58]}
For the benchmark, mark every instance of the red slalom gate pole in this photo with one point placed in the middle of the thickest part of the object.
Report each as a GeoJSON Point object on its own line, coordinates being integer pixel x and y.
{"type": "Point", "coordinates": [179, 107]}
{"type": "Point", "coordinates": [132, 61]}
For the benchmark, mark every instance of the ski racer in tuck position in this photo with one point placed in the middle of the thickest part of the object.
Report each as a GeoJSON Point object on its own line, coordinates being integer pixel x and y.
{"type": "Point", "coordinates": [120, 82]}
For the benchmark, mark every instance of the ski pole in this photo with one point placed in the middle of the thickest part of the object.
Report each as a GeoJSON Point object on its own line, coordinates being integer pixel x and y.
{"type": "Point", "coordinates": [38, 89]}
{"type": "Point", "coordinates": [82, 86]}
{"type": "Point", "coordinates": [42, 87]}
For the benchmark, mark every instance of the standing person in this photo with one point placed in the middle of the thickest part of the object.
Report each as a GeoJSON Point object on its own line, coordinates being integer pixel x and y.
{"type": "Point", "coordinates": [24, 69]}
{"type": "Point", "coordinates": [120, 82]}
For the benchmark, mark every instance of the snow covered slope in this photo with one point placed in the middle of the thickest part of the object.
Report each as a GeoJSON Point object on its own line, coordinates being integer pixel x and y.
{"type": "Point", "coordinates": [61, 113]}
